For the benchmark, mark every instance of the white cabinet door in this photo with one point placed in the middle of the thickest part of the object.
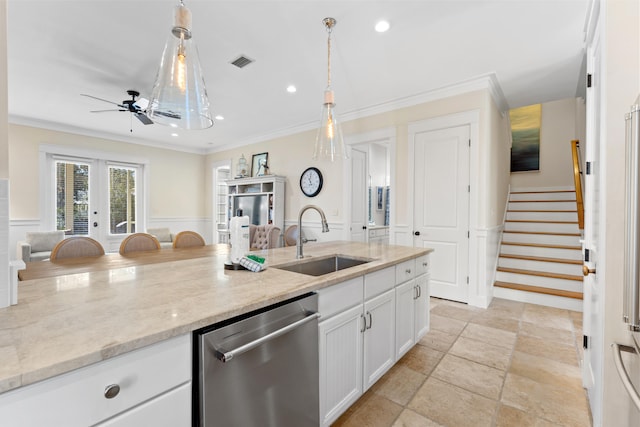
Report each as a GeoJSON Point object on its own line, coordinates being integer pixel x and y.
{"type": "Point", "coordinates": [172, 409]}
{"type": "Point", "coordinates": [379, 337]}
{"type": "Point", "coordinates": [340, 363]}
{"type": "Point", "coordinates": [405, 317]}
{"type": "Point", "coordinates": [422, 307]}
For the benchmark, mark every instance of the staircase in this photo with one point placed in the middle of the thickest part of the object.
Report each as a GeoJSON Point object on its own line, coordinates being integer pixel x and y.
{"type": "Point", "coordinates": [540, 259]}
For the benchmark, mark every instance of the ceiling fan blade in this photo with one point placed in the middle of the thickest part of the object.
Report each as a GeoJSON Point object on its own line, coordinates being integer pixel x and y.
{"type": "Point", "coordinates": [104, 111]}
{"type": "Point", "coordinates": [143, 118]}
{"type": "Point", "coordinates": [100, 99]}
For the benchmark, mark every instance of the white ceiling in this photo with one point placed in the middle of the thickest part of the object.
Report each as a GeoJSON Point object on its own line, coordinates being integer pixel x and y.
{"type": "Point", "coordinates": [59, 49]}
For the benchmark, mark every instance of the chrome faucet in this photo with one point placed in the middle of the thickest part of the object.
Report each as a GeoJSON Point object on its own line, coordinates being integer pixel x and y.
{"type": "Point", "coordinates": [300, 240]}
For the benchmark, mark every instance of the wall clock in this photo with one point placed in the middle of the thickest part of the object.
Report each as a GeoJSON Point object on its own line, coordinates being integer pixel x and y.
{"type": "Point", "coordinates": [311, 182]}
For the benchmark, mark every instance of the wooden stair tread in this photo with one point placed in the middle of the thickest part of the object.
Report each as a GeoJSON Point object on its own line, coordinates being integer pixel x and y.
{"type": "Point", "coordinates": [539, 290]}
{"type": "Point", "coordinates": [541, 211]}
{"type": "Point", "coordinates": [541, 221]}
{"type": "Point", "coordinates": [542, 259]}
{"type": "Point", "coordinates": [541, 274]}
{"type": "Point", "coordinates": [543, 245]}
{"type": "Point", "coordinates": [543, 192]}
{"type": "Point", "coordinates": [542, 232]}
{"type": "Point", "coordinates": [542, 201]}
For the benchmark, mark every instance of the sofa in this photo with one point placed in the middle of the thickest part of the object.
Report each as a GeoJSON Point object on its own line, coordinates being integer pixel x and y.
{"type": "Point", "coordinates": [164, 236]}
{"type": "Point", "coordinates": [37, 245]}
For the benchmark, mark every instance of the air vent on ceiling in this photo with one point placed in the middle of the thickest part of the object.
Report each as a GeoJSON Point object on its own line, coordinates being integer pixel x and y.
{"type": "Point", "coordinates": [241, 61]}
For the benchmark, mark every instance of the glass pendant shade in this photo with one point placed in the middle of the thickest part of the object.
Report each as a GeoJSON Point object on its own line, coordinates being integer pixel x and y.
{"type": "Point", "coordinates": [179, 96]}
{"type": "Point", "coordinates": [329, 142]}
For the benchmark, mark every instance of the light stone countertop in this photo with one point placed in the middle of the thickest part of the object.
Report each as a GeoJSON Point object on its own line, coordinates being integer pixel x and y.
{"type": "Point", "coordinates": [67, 322]}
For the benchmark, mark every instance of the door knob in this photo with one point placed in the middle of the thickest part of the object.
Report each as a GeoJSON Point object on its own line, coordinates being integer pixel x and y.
{"type": "Point", "coordinates": [586, 270]}
{"type": "Point", "coordinates": [364, 227]}
{"type": "Point", "coordinates": [416, 233]}
{"type": "Point", "coordinates": [95, 224]}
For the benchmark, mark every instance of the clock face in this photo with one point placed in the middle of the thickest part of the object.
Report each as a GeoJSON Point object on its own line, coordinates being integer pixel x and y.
{"type": "Point", "coordinates": [311, 182]}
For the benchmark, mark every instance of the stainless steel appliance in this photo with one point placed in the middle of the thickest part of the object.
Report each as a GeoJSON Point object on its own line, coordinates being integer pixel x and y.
{"type": "Point", "coordinates": [630, 372]}
{"type": "Point", "coordinates": [260, 369]}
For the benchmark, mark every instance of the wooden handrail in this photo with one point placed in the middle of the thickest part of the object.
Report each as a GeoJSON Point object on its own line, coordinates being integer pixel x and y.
{"type": "Point", "coordinates": [577, 180]}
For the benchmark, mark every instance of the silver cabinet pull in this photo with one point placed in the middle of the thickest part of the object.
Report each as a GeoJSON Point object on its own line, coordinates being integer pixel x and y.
{"type": "Point", "coordinates": [425, 264]}
{"type": "Point", "coordinates": [364, 323]}
{"type": "Point", "coordinates": [419, 290]}
{"type": "Point", "coordinates": [227, 356]}
{"type": "Point", "coordinates": [622, 371]}
{"type": "Point", "coordinates": [408, 271]}
{"type": "Point", "coordinates": [111, 391]}
{"type": "Point", "coordinates": [370, 320]}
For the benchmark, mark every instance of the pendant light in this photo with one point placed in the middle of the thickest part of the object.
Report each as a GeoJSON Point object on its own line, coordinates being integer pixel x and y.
{"type": "Point", "coordinates": [179, 96]}
{"type": "Point", "coordinates": [329, 144]}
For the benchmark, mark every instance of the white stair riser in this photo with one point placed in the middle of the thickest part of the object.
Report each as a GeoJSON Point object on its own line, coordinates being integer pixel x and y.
{"type": "Point", "coordinates": [540, 299]}
{"type": "Point", "coordinates": [565, 195]}
{"type": "Point", "coordinates": [544, 282]}
{"type": "Point", "coordinates": [542, 266]}
{"type": "Point", "coordinates": [542, 252]}
{"type": "Point", "coordinates": [541, 227]}
{"type": "Point", "coordinates": [545, 239]}
{"type": "Point", "coordinates": [543, 216]}
{"type": "Point", "coordinates": [542, 206]}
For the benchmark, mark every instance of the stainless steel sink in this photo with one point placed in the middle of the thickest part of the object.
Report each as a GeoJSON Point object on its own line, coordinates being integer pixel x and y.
{"type": "Point", "coordinates": [322, 266]}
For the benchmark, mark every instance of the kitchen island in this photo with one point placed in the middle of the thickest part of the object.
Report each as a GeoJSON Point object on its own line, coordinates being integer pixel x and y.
{"type": "Point", "coordinates": [68, 322]}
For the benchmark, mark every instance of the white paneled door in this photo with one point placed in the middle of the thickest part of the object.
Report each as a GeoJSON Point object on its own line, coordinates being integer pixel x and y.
{"type": "Point", "coordinates": [359, 197]}
{"type": "Point", "coordinates": [441, 207]}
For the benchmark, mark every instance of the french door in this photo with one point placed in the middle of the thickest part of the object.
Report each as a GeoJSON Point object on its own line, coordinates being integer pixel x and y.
{"type": "Point", "coordinates": [94, 197]}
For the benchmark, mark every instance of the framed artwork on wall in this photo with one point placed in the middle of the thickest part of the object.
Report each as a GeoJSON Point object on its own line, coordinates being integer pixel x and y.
{"type": "Point", "coordinates": [259, 164]}
{"type": "Point", "coordinates": [525, 132]}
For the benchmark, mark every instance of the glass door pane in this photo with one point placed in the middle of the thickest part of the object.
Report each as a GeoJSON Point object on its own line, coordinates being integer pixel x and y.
{"type": "Point", "coordinates": [72, 197]}
{"type": "Point", "coordinates": [122, 200]}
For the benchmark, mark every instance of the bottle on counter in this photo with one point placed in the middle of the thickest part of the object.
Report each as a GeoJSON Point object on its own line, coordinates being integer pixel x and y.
{"type": "Point", "coordinates": [239, 236]}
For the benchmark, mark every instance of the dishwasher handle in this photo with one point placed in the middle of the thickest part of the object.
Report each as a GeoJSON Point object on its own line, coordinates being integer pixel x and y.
{"type": "Point", "coordinates": [225, 357]}
{"type": "Point", "coordinates": [622, 371]}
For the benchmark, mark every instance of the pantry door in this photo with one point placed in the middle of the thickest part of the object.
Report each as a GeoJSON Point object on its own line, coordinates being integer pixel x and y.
{"type": "Point", "coordinates": [441, 207]}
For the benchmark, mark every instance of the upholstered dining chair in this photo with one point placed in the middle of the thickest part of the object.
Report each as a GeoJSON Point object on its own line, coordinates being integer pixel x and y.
{"type": "Point", "coordinates": [263, 236]}
{"type": "Point", "coordinates": [188, 239]}
{"type": "Point", "coordinates": [138, 242]}
{"type": "Point", "coordinates": [291, 235]}
{"type": "Point", "coordinates": [76, 247]}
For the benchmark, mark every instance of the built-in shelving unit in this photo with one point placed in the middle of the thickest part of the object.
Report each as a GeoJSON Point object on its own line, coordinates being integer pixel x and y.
{"type": "Point", "coordinates": [262, 198]}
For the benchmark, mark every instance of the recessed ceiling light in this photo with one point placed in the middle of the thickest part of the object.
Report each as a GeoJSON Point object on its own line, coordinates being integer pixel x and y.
{"type": "Point", "coordinates": [219, 117]}
{"type": "Point", "coordinates": [174, 134]}
{"type": "Point", "coordinates": [291, 89]}
{"type": "Point", "coordinates": [382, 26]}
{"type": "Point", "coordinates": [173, 125]}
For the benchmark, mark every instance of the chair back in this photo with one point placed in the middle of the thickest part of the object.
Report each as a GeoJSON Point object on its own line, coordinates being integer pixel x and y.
{"type": "Point", "coordinates": [76, 247]}
{"type": "Point", "coordinates": [291, 235]}
{"type": "Point", "coordinates": [138, 242]}
{"type": "Point", "coordinates": [188, 239]}
{"type": "Point", "coordinates": [264, 236]}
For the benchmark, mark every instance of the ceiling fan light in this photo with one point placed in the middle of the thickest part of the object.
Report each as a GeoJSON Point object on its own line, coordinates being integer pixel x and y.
{"type": "Point", "coordinates": [179, 95]}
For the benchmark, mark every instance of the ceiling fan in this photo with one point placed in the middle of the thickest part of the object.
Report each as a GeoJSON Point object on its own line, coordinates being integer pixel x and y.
{"type": "Point", "coordinates": [136, 107]}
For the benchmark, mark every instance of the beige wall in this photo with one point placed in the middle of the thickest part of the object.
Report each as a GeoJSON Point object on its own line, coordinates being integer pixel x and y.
{"type": "Point", "coordinates": [559, 127]}
{"type": "Point", "coordinates": [176, 179]}
{"type": "Point", "coordinates": [497, 165]}
{"type": "Point", "coordinates": [289, 156]}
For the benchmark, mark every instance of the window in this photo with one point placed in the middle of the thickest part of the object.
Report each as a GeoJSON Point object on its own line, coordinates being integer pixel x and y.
{"type": "Point", "coordinates": [122, 200]}
{"type": "Point", "coordinates": [92, 193]}
{"type": "Point", "coordinates": [72, 197]}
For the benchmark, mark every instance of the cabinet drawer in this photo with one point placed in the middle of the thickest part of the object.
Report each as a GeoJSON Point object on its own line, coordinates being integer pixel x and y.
{"type": "Point", "coordinates": [172, 409]}
{"type": "Point", "coordinates": [377, 282]}
{"type": "Point", "coordinates": [422, 265]}
{"type": "Point", "coordinates": [405, 271]}
{"type": "Point", "coordinates": [77, 398]}
{"type": "Point", "coordinates": [340, 297]}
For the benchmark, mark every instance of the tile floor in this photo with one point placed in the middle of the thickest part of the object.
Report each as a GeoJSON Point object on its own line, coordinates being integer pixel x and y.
{"type": "Point", "coordinates": [512, 365]}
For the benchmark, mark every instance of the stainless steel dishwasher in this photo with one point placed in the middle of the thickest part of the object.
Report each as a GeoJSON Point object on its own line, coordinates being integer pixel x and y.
{"type": "Point", "coordinates": [260, 369]}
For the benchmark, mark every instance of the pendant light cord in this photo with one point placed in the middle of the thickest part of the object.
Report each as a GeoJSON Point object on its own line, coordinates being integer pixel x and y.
{"type": "Point", "coordinates": [329, 57]}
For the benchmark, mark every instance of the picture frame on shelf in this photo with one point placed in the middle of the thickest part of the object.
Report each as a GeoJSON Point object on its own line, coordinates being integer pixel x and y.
{"type": "Point", "coordinates": [379, 191]}
{"type": "Point", "coordinates": [259, 165]}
